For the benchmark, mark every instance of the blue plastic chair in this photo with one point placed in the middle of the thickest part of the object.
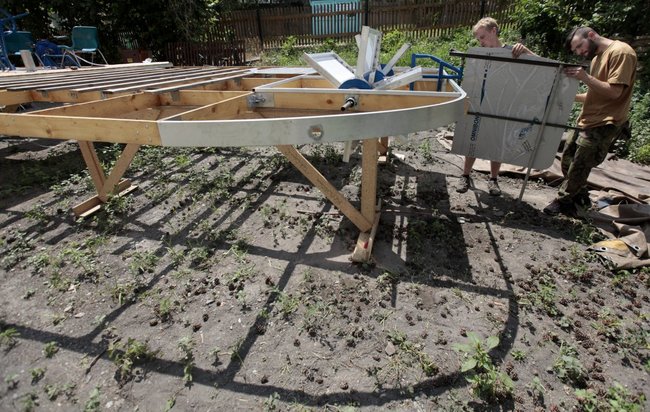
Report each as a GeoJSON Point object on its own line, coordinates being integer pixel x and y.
{"type": "Point", "coordinates": [7, 27]}
{"type": "Point", "coordinates": [14, 42]}
{"type": "Point", "coordinates": [85, 40]}
{"type": "Point", "coordinates": [52, 56]}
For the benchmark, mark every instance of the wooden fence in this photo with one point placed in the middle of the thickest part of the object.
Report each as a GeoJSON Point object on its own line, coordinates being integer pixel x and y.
{"type": "Point", "coordinates": [212, 53]}
{"type": "Point", "coordinates": [269, 28]}
{"type": "Point", "coordinates": [245, 33]}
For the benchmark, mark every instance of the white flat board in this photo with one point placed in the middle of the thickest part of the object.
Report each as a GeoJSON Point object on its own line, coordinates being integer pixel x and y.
{"type": "Point", "coordinates": [513, 90]}
{"type": "Point", "coordinates": [369, 48]}
{"type": "Point", "coordinates": [331, 66]}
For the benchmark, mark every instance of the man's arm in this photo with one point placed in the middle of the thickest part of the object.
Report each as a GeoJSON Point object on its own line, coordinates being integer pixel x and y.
{"type": "Point", "coordinates": [611, 91]}
{"type": "Point", "coordinates": [519, 49]}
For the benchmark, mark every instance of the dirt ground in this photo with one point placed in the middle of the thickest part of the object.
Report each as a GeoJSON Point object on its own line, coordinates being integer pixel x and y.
{"type": "Point", "coordinates": [223, 283]}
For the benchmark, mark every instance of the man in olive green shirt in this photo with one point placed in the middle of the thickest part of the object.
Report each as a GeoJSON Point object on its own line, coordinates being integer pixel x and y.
{"type": "Point", "coordinates": [605, 112]}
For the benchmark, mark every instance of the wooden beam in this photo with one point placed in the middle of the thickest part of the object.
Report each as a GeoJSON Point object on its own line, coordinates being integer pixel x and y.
{"type": "Point", "coordinates": [94, 167]}
{"type": "Point", "coordinates": [173, 80]}
{"type": "Point", "coordinates": [365, 242]}
{"type": "Point", "coordinates": [93, 204]}
{"type": "Point", "coordinates": [199, 97]}
{"type": "Point", "coordinates": [123, 162]}
{"type": "Point", "coordinates": [330, 192]}
{"type": "Point", "coordinates": [108, 108]}
{"type": "Point", "coordinates": [105, 186]}
{"type": "Point", "coordinates": [366, 102]}
{"type": "Point", "coordinates": [81, 128]}
{"type": "Point", "coordinates": [369, 207]}
{"type": "Point", "coordinates": [226, 109]}
{"type": "Point", "coordinates": [8, 98]}
{"type": "Point", "coordinates": [369, 179]}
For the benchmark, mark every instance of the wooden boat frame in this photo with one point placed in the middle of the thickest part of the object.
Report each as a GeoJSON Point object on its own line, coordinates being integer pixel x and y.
{"type": "Point", "coordinates": [206, 107]}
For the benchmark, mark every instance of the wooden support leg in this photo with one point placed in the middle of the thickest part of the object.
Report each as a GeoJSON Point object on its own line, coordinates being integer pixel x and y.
{"type": "Point", "coordinates": [317, 179]}
{"type": "Point", "coordinates": [383, 150]}
{"type": "Point", "coordinates": [105, 186]}
{"type": "Point", "coordinates": [369, 205]}
{"type": "Point", "coordinates": [349, 147]}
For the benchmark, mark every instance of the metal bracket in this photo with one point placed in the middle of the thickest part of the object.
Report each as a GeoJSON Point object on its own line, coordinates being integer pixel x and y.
{"type": "Point", "coordinates": [316, 132]}
{"type": "Point", "coordinates": [351, 100]}
{"type": "Point", "coordinates": [260, 100]}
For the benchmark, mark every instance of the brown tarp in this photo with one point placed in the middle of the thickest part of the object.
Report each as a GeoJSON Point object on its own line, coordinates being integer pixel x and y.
{"type": "Point", "coordinates": [620, 192]}
{"type": "Point", "coordinates": [627, 227]}
{"type": "Point", "coordinates": [629, 178]}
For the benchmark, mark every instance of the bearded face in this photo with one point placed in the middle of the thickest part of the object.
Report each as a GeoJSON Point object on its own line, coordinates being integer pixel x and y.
{"type": "Point", "coordinates": [584, 46]}
{"type": "Point", "coordinates": [591, 49]}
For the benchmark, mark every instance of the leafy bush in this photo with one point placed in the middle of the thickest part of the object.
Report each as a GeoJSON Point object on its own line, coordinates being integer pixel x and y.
{"type": "Point", "coordinates": [639, 145]}
{"type": "Point", "coordinates": [546, 23]}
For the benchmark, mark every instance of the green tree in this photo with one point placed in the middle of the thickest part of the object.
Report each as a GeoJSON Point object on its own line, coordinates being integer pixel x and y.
{"type": "Point", "coordinates": [149, 23]}
{"type": "Point", "coordinates": [546, 23]}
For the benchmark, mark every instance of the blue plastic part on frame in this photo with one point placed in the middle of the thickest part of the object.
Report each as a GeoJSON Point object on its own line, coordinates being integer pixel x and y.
{"type": "Point", "coordinates": [442, 65]}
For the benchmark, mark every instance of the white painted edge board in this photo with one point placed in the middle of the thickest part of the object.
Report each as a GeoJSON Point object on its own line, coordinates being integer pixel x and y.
{"type": "Point", "coordinates": [296, 130]}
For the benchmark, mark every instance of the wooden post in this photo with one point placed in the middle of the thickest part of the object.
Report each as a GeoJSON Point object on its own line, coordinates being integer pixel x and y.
{"type": "Point", "coordinates": [369, 204]}
{"type": "Point", "coordinates": [383, 150]}
{"type": "Point", "coordinates": [105, 186]}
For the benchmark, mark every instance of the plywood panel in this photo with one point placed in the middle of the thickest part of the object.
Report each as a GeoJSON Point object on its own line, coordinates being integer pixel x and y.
{"type": "Point", "coordinates": [515, 90]}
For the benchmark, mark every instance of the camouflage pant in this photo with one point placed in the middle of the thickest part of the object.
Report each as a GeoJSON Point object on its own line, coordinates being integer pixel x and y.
{"type": "Point", "coordinates": [583, 151]}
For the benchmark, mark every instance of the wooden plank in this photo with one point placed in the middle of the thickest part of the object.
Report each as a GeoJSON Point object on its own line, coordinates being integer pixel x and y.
{"type": "Point", "coordinates": [9, 97]}
{"type": "Point", "coordinates": [199, 97]}
{"type": "Point", "coordinates": [318, 180]}
{"type": "Point", "coordinates": [93, 204]}
{"type": "Point", "coordinates": [72, 79]}
{"type": "Point", "coordinates": [143, 82]}
{"type": "Point", "coordinates": [113, 107]}
{"type": "Point", "coordinates": [67, 96]}
{"type": "Point", "coordinates": [369, 178]}
{"type": "Point", "coordinates": [114, 81]}
{"type": "Point", "coordinates": [365, 102]}
{"type": "Point", "coordinates": [383, 146]}
{"type": "Point", "coordinates": [175, 80]}
{"type": "Point", "coordinates": [365, 241]}
{"type": "Point", "coordinates": [81, 128]}
{"type": "Point", "coordinates": [191, 85]}
{"type": "Point", "coordinates": [226, 109]}
{"type": "Point", "coordinates": [94, 167]}
{"type": "Point", "coordinates": [123, 162]}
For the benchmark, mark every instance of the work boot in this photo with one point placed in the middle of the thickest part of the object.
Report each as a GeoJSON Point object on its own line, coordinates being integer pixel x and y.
{"type": "Point", "coordinates": [556, 207]}
{"type": "Point", "coordinates": [464, 184]}
{"type": "Point", "coordinates": [582, 199]}
{"type": "Point", "coordinates": [493, 187]}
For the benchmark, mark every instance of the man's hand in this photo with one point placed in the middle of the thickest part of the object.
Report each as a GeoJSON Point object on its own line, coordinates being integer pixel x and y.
{"type": "Point", "coordinates": [611, 91]}
{"type": "Point", "coordinates": [519, 49]}
{"type": "Point", "coordinates": [576, 72]}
